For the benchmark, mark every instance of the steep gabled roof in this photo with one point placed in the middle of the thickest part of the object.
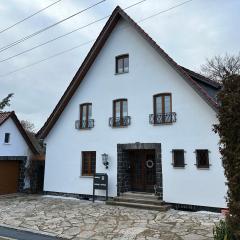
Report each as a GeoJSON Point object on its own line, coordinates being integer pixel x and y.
{"type": "Point", "coordinates": [4, 116]}
{"type": "Point", "coordinates": [91, 56]}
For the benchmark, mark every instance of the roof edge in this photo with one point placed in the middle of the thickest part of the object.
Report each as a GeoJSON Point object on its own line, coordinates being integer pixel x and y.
{"type": "Point", "coordinates": [202, 78]}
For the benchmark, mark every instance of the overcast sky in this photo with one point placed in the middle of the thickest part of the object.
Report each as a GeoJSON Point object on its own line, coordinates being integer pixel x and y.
{"type": "Point", "coordinates": [191, 33]}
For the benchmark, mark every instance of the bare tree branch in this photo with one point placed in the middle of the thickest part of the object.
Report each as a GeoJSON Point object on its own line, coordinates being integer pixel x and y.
{"type": "Point", "coordinates": [28, 126]}
{"type": "Point", "coordinates": [219, 67]}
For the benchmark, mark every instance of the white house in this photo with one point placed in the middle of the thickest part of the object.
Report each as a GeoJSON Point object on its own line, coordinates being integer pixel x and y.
{"type": "Point", "coordinates": [16, 147]}
{"type": "Point", "coordinates": [151, 117]}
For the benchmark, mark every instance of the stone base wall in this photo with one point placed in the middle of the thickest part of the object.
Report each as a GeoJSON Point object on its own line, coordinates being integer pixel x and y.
{"type": "Point", "coordinates": [194, 208]}
{"type": "Point", "coordinates": [22, 174]}
{"type": "Point", "coordinates": [176, 206]}
{"type": "Point", "coordinates": [37, 176]}
{"type": "Point", "coordinates": [76, 195]}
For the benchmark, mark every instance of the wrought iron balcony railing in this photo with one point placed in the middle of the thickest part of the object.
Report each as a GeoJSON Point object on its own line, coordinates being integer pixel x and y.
{"type": "Point", "coordinates": [163, 118]}
{"type": "Point", "coordinates": [120, 121]}
{"type": "Point", "coordinates": [84, 124]}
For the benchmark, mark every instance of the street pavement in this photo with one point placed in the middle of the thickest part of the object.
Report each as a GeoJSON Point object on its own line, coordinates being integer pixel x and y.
{"type": "Point", "coordinates": [12, 234]}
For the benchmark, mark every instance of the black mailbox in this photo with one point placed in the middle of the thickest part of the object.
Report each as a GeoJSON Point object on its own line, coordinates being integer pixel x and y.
{"type": "Point", "coordinates": [100, 182]}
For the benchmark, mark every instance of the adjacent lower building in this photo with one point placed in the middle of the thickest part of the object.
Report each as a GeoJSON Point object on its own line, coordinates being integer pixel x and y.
{"type": "Point", "coordinates": [16, 150]}
{"type": "Point", "coordinates": [132, 112]}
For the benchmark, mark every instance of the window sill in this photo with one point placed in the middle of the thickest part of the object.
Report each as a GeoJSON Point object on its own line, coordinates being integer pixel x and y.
{"type": "Point", "coordinates": [178, 167]}
{"type": "Point", "coordinates": [119, 126]}
{"type": "Point", "coordinates": [160, 124]}
{"type": "Point", "coordinates": [82, 176]}
{"type": "Point", "coordinates": [87, 128]}
{"type": "Point", "coordinates": [121, 73]}
{"type": "Point", "coordinates": [6, 143]}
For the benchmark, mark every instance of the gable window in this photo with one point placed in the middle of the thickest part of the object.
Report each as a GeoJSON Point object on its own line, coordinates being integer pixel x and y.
{"type": "Point", "coordinates": [7, 138]}
{"type": "Point", "coordinates": [122, 63]}
{"type": "Point", "coordinates": [162, 103]}
{"type": "Point", "coordinates": [85, 116]}
{"type": "Point", "coordinates": [88, 163]}
{"type": "Point", "coordinates": [162, 109]}
{"type": "Point", "coordinates": [120, 113]}
{"type": "Point", "coordinates": [202, 158]}
{"type": "Point", "coordinates": [178, 158]}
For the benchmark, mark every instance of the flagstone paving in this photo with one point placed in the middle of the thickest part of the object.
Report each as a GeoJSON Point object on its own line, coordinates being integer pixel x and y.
{"type": "Point", "coordinates": [78, 219]}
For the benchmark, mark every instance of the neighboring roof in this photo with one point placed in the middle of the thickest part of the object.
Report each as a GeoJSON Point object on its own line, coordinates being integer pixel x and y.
{"type": "Point", "coordinates": [202, 78]}
{"type": "Point", "coordinates": [210, 86]}
{"type": "Point", "coordinates": [4, 116]}
{"type": "Point", "coordinates": [91, 56]}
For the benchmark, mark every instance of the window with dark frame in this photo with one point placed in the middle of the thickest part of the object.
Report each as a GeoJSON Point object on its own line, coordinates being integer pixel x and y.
{"type": "Point", "coordinates": [162, 108]}
{"type": "Point", "coordinates": [120, 111]}
{"type": "Point", "coordinates": [162, 103]}
{"type": "Point", "coordinates": [85, 115]}
{"type": "Point", "coordinates": [202, 158]}
{"type": "Point", "coordinates": [122, 64]}
{"type": "Point", "coordinates": [7, 138]}
{"type": "Point", "coordinates": [88, 163]}
{"type": "Point", "coordinates": [178, 158]}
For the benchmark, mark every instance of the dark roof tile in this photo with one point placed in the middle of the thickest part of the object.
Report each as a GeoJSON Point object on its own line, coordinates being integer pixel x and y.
{"type": "Point", "coordinates": [4, 116]}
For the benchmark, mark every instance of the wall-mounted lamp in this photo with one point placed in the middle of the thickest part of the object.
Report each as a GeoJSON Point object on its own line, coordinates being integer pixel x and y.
{"type": "Point", "coordinates": [105, 160]}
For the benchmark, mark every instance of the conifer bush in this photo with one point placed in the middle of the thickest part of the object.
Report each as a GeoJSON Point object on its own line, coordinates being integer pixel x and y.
{"type": "Point", "coordinates": [222, 231]}
{"type": "Point", "coordinates": [228, 129]}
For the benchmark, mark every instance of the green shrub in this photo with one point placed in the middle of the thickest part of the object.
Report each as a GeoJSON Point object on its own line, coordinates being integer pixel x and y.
{"type": "Point", "coordinates": [222, 231]}
{"type": "Point", "coordinates": [229, 132]}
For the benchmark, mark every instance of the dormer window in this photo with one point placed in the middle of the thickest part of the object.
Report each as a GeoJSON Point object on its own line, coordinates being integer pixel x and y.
{"type": "Point", "coordinates": [7, 138]}
{"type": "Point", "coordinates": [122, 64]}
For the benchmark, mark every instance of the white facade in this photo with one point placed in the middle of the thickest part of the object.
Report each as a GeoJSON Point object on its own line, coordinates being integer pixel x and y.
{"type": "Point", "coordinates": [149, 74]}
{"type": "Point", "coordinates": [17, 145]}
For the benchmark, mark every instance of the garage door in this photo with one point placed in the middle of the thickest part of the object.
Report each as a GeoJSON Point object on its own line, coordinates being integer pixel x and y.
{"type": "Point", "coordinates": [9, 173]}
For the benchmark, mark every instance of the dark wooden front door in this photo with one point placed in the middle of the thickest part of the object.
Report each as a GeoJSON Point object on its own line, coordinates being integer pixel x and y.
{"type": "Point", "coordinates": [143, 170]}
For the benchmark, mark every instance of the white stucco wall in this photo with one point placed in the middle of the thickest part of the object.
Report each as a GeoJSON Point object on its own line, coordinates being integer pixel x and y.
{"type": "Point", "coordinates": [149, 74]}
{"type": "Point", "coordinates": [17, 145]}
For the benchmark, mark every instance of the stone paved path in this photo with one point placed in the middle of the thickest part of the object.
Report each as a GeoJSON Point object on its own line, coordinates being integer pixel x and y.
{"type": "Point", "coordinates": [77, 219]}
